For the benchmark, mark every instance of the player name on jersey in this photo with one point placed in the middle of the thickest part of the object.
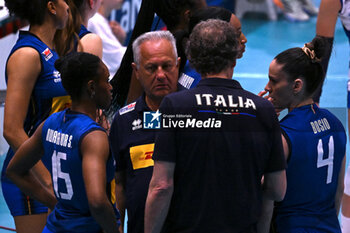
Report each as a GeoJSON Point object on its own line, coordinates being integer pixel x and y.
{"type": "Point", "coordinates": [224, 101]}
{"type": "Point", "coordinates": [58, 138]}
{"type": "Point", "coordinates": [320, 125]}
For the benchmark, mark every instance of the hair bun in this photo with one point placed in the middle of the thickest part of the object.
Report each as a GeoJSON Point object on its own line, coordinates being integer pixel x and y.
{"type": "Point", "coordinates": [311, 54]}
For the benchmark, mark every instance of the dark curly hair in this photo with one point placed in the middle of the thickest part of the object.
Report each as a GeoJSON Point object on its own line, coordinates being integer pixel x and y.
{"type": "Point", "coordinates": [212, 47]}
{"type": "Point", "coordinates": [297, 64]}
{"type": "Point", "coordinates": [32, 10]}
{"type": "Point", "coordinates": [210, 12]}
{"type": "Point", "coordinates": [170, 10]}
{"type": "Point", "coordinates": [76, 70]}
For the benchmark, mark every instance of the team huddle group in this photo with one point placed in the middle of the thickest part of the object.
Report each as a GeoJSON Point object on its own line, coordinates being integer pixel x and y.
{"type": "Point", "coordinates": [70, 169]}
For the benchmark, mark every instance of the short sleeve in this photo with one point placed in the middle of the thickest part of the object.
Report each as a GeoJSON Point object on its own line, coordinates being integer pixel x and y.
{"type": "Point", "coordinates": [165, 143]}
{"type": "Point", "coordinates": [276, 161]}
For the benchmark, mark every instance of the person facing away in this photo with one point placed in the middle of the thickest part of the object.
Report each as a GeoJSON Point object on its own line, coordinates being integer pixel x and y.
{"type": "Point", "coordinates": [330, 11]}
{"type": "Point", "coordinates": [216, 143]}
{"type": "Point", "coordinates": [113, 50]}
{"type": "Point", "coordinates": [75, 150]}
{"type": "Point", "coordinates": [76, 36]}
{"type": "Point", "coordinates": [34, 91]}
{"type": "Point", "coordinates": [189, 77]}
{"type": "Point", "coordinates": [314, 143]}
{"type": "Point", "coordinates": [156, 67]}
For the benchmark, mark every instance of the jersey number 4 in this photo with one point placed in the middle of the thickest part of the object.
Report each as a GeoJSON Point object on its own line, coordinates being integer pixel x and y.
{"type": "Point", "coordinates": [58, 174]}
{"type": "Point", "coordinates": [328, 161]}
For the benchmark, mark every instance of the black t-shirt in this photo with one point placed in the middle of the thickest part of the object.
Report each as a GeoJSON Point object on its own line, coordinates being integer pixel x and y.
{"type": "Point", "coordinates": [227, 140]}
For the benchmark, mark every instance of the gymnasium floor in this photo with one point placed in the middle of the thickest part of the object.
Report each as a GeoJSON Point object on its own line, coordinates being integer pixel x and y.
{"type": "Point", "coordinates": [265, 40]}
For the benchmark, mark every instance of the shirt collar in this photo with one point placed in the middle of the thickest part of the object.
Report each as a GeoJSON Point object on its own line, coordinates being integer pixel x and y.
{"type": "Point", "coordinates": [220, 82]}
{"type": "Point", "coordinates": [141, 103]}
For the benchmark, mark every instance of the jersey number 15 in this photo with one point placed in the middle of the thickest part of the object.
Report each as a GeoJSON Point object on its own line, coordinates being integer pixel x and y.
{"type": "Point", "coordinates": [58, 174]}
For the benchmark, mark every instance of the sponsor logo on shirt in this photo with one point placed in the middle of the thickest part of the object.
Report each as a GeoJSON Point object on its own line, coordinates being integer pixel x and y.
{"type": "Point", "coordinates": [127, 108]}
{"type": "Point", "coordinates": [60, 103]}
{"type": "Point", "coordinates": [47, 54]}
{"type": "Point", "coordinates": [141, 156]}
{"type": "Point", "coordinates": [136, 124]}
{"type": "Point", "coordinates": [57, 76]}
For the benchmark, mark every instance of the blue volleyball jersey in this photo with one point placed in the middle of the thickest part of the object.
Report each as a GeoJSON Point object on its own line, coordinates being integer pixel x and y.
{"type": "Point", "coordinates": [61, 136]}
{"type": "Point", "coordinates": [317, 142]}
{"type": "Point", "coordinates": [83, 31]}
{"type": "Point", "coordinates": [48, 96]}
{"type": "Point", "coordinates": [189, 78]}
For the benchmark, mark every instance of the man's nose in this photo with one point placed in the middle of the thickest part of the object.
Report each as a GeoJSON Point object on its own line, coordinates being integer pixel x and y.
{"type": "Point", "coordinates": [160, 73]}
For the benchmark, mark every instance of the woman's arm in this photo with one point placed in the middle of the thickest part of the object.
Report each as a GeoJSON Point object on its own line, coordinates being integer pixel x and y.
{"type": "Point", "coordinates": [20, 86]}
{"type": "Point", "coordinates": [95, 153]}
{"type": "Point", "coordinates": [327, 17]}
{"type": "Point", "coordinates": [20, 171]}
{"type": "Point", "coordinates": [340, 187]}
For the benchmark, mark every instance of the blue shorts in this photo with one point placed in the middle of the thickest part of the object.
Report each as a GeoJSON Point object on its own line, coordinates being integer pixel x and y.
{"type": "Point", "coordinates": [18, 203]}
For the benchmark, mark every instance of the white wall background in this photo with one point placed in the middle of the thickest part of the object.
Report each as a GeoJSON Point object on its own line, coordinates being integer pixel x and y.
{"type": "Point", "coordinates": [6, 44]}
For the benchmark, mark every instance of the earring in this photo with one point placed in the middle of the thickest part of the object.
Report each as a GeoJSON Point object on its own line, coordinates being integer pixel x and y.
{"type": "Point", "coordinates": [54, 13]}
{"type": "Point", "coordinates": [92, 95]}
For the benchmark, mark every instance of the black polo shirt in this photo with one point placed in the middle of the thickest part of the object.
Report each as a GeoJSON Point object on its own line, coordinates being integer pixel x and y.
{"type": "Point", "coordinates": [227, 140]}
{"type": "Point", "coordinates": [132, 147]}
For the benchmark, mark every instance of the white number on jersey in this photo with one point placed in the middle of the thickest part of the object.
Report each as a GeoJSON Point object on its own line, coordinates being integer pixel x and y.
{"type": "Point", "coordinates": [57, 173]}
{"type": "Point", "coordinates": [328, 161]}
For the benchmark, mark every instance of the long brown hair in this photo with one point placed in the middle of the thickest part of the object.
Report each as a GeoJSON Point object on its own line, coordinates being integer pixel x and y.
{"type": "Point", "coordinates": [66, 38]}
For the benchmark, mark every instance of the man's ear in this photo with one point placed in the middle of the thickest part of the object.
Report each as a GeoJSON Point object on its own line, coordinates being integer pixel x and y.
{"type": "Point", "coordinates": [178, 62]}
{"type": "Point", "coordinates": [298, 85]}
{"type": "Point", "coordinates": [135, 69]}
